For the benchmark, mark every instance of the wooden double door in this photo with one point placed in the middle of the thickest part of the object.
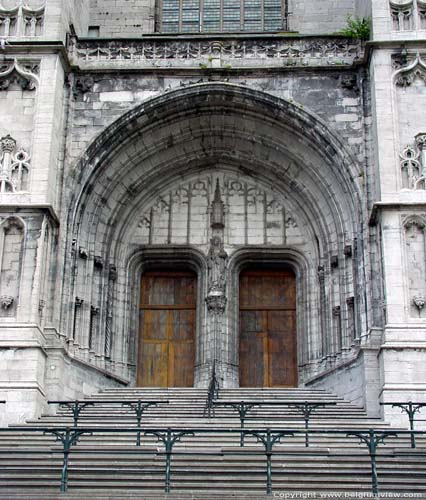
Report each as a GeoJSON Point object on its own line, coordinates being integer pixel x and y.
{"type": "Point", "coordinates": [167, 329]}
{"type": "Point", "coordinates": [166, 350]}
{"type": "Point", "coordinates": [268, 350]}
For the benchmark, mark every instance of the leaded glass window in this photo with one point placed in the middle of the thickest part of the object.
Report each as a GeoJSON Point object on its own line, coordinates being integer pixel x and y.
{"type": "Point", "coordinates": [192, 16]}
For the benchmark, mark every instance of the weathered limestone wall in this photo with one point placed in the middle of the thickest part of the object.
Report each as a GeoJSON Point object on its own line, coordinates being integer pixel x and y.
{"type": "Point", "coordinates": [122, 18]}
{"type": "Point", "coordinates": [325, 17]}
{"type": "Point", "coordinates": [336, 97]}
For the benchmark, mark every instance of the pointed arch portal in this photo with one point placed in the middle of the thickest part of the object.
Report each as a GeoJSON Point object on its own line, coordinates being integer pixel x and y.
{"type": "Point", "coordinates": [290, 193]}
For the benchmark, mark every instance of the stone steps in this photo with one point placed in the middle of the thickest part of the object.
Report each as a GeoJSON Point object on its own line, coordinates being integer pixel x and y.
{"type": "Point", "coordinates": [210, 463]}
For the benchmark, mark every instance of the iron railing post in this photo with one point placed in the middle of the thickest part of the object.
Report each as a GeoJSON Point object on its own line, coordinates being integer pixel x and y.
{"type": "Point", "coordinates": [372, 439]}
{"type": "Point", "coordinates": [306, 409]}
{"type": "Point", "coordinates": [169, 439]}
{"type": "Point", "coordinates": [212, 393]}
{"type": "Point", "coordinates": [268, 438]}
{"type": "Point", "coordinates": [68, 437]}
{"type": "Point", "coordinates": [139, 408]}
{"type": "Point", "coordinates": [410, 409]}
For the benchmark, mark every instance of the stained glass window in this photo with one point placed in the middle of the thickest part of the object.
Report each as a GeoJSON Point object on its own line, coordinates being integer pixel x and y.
{"type": "Point", "coordinates": [193, 16]}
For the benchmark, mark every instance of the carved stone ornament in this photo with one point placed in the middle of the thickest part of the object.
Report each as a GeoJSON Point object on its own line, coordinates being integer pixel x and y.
{"type": "Point", "coordinates": [216, 301]}
{"type": "Point", "coordinates": [421, 141]}
{"type": "Point", "coordinates": [23, 75]}
{"type": "Point", "coordinates": [83, 253]}
{"type": "Point", "coordinates": [14, 168]}
{"type": "Point", "coordinates": [6, 301]}
{"type": "Point", "coordinates": [98, 262]}
{"type": "Point", "coordinates": [8, 144]}
{"type": "Point", "coordinates": [419, 301]}
{"type": "Point", "coordinates": [112, 273]}
{"type": "Point", "coordinates": [406, 75]}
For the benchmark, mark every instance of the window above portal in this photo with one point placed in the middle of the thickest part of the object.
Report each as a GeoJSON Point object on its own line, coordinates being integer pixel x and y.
{"type": "Point", "coordinates": [207, 16]}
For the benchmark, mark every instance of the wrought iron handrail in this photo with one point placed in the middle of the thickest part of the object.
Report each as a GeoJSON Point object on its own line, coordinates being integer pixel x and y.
{"type": "Point", "coordinates": [305, 408]}
{"type": "Point", "coordinates": [69, 437]}
{"type": "Point", "coordinates": [410, 408]}
{"type": "Point", "coordinates": [76, 406]}
{"type": "Point", "coordinates": [212, 393]}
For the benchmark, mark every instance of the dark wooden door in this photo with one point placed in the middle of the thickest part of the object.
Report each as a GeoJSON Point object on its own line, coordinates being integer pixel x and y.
{"type": "Point", "coordinates": [268, 350]}
{"type": "Point", "coordinates": [167, 330]}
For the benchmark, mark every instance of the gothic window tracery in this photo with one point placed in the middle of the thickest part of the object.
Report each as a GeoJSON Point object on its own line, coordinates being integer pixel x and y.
{"type": "Point", "coordinates": [221, 15]}
{"type": "Point", "coordinates": [23, 20]}
{"type": "Point", "coordinates": [402, 14]}
{"type": "Point", "coordinates": [14, 166]}
{"type": "Point", "coordinates": [413, 163]}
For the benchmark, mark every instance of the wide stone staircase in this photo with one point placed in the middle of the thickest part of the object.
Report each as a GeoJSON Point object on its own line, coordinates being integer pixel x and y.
{"type": "Point", "coordinates": [107, 461]}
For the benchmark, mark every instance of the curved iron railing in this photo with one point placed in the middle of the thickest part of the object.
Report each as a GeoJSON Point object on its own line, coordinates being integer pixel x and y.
{"type": "Point", "coordinates": [212, 393]}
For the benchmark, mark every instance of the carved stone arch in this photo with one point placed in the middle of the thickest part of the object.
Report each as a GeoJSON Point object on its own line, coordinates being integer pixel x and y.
{"type": "Point", "coordinates": [273, 141]}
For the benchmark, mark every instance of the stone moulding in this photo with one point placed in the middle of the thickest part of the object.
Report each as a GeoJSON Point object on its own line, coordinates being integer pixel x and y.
{"type": "Point", "coordinates": [225, 53]}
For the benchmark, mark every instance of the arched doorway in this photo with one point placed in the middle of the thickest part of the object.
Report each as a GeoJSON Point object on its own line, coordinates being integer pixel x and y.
{"type": "Point", "coordinates": [166, 347]}
{"type": "Point", "coordinates": [268, 348]}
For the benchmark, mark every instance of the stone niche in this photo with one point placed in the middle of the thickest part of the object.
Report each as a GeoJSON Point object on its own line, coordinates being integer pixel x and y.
{"type": "Point", "coordinates": [11, 248]}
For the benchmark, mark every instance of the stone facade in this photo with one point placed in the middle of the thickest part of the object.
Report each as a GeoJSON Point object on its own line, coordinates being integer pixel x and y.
{"type": "Point", "coordinates": [122, 152]}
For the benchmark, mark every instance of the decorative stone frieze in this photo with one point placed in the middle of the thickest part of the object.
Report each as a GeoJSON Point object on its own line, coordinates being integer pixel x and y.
{"type": "Point", "coordinates": [14, 168]}
{"type": "Point", "coordinates": [227, 52]}
{"type": "Point", "coordinates": [413, 163]}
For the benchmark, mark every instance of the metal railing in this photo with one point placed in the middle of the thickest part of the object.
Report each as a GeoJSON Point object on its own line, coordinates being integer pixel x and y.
{"type": "Point", "coordinates": [305, 408]}
{"type": "Point", "coordinates": [267, 438]}
{"type": "Point", "coordinates": [139, 407]}
{"type": "Point", "coordinates": [212, 393]}
{"type": "Point", "coordinates": [411, 409]}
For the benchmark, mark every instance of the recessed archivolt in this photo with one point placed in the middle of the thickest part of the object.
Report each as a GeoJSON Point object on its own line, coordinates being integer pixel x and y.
{"type": "Point", "coordinates": [193, 130]}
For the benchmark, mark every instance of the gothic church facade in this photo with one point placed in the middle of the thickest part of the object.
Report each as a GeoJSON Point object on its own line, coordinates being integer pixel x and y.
{"type": "Point", "coordinates": [195, 183]}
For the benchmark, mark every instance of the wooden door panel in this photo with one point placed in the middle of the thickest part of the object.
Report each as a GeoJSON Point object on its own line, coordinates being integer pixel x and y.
{"type": "Point", "coordinates": [153, 324]}
{"type": "Point", "coordinates": [252, 374]}
{"type": "Point", "coordinates": [153, 364]}
{"type": "Point", "coordinates": [181, 363]}
{"type": "Point", "coordinates": [282, 352]}
{"type": "Point", "coordinates": [268, 350]}
{"type": "Point", "coordinates": [183, 325]}
{"type": "Point", "coordinates": [167, 329]}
